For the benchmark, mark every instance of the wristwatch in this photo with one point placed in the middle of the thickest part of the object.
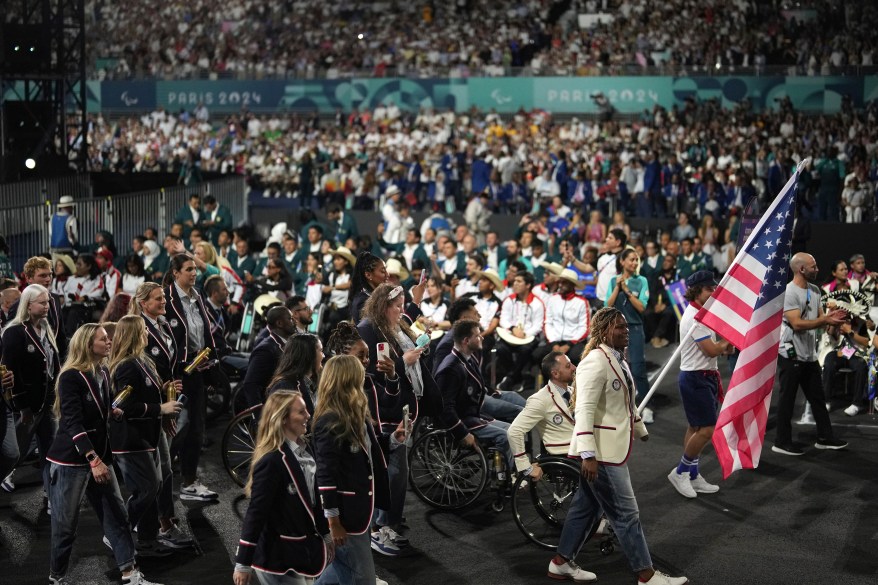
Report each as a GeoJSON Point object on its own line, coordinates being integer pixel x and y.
{"type": "Point", "coordinates": [91, 456]}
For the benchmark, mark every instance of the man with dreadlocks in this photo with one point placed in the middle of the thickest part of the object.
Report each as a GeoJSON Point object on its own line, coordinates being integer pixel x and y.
{"type": "Point", "coordinates": [606, 423]}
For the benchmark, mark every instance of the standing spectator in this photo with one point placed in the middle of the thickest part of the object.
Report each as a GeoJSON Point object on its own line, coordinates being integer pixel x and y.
{"type": "Point", "coordinates": [797, 357]}
{"type": "Point", "coordinates": [6, 270]}
{"type": "Point", "coordinates": [82, 463]}
{"type": "Point", "coordinates": [629, 294]}
{"type": "Point", "coordinates": [283, 501]}
{"type": "Point", "coordinates": [64, 228]}
{"type": "Point", "coordinates": [606, 265]}
{"type": "Point", "coordinates": [189, 215]}
{"type": "Point", "coordinates": [216, 218]}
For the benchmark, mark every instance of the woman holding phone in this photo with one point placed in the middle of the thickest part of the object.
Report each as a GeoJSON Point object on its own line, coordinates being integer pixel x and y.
{"type": "Point", "coordinates": [351, 470]}
{"type": "Point", "coordinates": [386, 329]}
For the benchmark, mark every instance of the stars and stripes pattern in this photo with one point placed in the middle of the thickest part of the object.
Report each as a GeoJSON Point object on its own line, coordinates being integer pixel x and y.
{"type": "Point", "coordinates": [747, 310]}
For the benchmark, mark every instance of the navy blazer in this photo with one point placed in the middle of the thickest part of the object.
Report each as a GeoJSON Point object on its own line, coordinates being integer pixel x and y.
{"type": "Point", "coordinates": [163, 357]}
{"type": "Point", "coordinates": [390, 399]}
{"type": "Point", "coordinates": [176, 316]}
{"type": "Point", "coordinates": [218, 319]}
{"type": "Point", "coordinates": [140, 427]}
{"type": "Point", "coordinates": [463, 392]}
{"type": "Point", "coordinates": [348, 479]}
{"type": "Point", "coordinates": [35, 372]}
{"type": "Point", "coordinates": [263, 362]}
{"type": "Point", "coordinates": [55, 321]}
{"type": "Point", "coordinates": [83, 424]}
{"type": "Point", "coordinates": [284, 524]}
{"type": "Point", "coordinates": [303, 387]}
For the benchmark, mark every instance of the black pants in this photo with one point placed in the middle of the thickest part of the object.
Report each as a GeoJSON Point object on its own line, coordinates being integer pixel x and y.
{"type": "Point", "coordinates": [574, 353]}
{"type": "Point", "coordinates": [190, 426]}
{"type": "Point", "coordinates": [661, 324]}
{"type": "Point", "coordinates": [833, 363]}
{"type": "Point", "coordinates": [514, 360]}
{"type": "Point", "coordinates": [792, 374]}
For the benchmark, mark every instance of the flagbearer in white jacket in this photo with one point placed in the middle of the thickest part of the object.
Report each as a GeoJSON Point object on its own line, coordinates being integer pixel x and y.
{"type": "Point", "coordinates": [606, 426]}
{"type": "Point", "coordinates": [700, 386]}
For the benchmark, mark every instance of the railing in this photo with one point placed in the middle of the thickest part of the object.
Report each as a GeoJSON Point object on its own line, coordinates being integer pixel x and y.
{"type": "Point", "coordinates": [26, 227]}
{"type": "Point", "coordinates": [463, 71]}
{"type": "Point", "coordinates": [40, 190]}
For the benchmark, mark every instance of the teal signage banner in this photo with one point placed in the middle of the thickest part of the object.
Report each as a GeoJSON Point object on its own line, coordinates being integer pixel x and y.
{"type": "Point", "coordinates": [563, 95]}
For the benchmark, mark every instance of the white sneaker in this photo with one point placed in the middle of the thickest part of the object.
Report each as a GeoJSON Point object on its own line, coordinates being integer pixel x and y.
{"type": "Point", "coordinates": [197, 491]}
{"type": "Point", "coordinates": [570, 571]}
{"type": "Point", "coordinates": [648, 416]}
{"type": "Point", "coordinates": [682, 483]}
{"type": "Point", "coordinates": [136, 578]}
{"type": "Point", "coordinates": [381, 543]}
{"type": "Point", "coordinates": [660, 578]}
{"type": "Point", "coordinates": [701, 486]}
{"type": "Point", "coordinates": [8, 485]}
{"type": "Point", "coordinates": [807, 416]}
{"type": "Point", "coordinates": [395, 537]}
{"type": "Point", "coordinates": [380, 581]}
{"type": "Point", "coordinates": [852, 410]}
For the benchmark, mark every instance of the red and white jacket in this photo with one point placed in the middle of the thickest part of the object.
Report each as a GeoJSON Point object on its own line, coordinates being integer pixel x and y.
{"type": "Point", "coordinates": [568, 318]}
{"type": "Point", "coordinates": [530, 314]}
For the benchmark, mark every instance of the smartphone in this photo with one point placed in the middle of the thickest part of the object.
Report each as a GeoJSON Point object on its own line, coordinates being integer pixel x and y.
{"type": "Point", "coordinates": [407, 421]}
{"type": "Point", "coordinates": [382, 350]}
{"type": "Point", "coordinates": [423, 276]}
{"type": "Point", "coordinates": [183, 399]}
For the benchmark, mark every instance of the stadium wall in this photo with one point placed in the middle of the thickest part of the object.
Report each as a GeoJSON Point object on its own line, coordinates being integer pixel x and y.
{"type": "Point", "coordinates": [561, 95]}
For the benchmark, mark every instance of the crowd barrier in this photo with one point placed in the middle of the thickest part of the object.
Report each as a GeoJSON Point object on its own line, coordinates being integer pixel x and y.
{"type": "Point", "coordinates": [37, 191]}
{"type": "Point", "coordinates": [26, 227]}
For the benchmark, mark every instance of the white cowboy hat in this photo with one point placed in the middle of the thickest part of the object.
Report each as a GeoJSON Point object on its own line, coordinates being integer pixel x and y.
{"type": "Point", "coordinates": [492, 276]}
{"type": "Point", "coordinates": [570, 276]}
{"type": "Point", "coordinates": [396, 268]}
{"type": "Point", "coordinates": [66, 201]}
{"type": "Point", "coordinates": [391, 190]}
{"type": "Point", "coordinates": [346, 254]}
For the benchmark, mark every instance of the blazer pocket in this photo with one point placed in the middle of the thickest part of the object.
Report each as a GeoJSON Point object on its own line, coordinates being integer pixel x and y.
{"type": "Point", "coordinates": [347, 493]}
{"type": "Point", "coordinates": [605, 427]}
{"type": "Point", "coordinates": [290, 538]}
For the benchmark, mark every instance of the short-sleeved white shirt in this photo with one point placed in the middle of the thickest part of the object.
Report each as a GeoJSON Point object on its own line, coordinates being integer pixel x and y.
{"type": "Point", "coordinates": [692, 359]}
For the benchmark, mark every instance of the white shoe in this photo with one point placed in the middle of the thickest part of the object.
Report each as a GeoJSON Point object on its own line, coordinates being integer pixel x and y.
{"type": "Point", "coordinates": [701, 486]}
{"type": "Point", "coordinates": [380, 581]}
{"type": "Point", "coordinates": [197, 491]}
{"type": "Point", "coordinates": [8, 485]}
{"type": "Point", "coordinates": [682, 483]}
{"type": "Point", "coordinates": [852, 410]}
{"type": "Point", "coordinates": [648, 416]}
{"type": "Point", "coordinates": [570, 571]}
{"type": "Point", "coordinates": [136, 578]}
{"type": "Point", "coordinates": [660, 578]}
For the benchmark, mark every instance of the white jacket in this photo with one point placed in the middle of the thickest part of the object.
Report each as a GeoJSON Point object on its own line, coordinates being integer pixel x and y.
{"type": "Point", "coordinates": [567, 319]}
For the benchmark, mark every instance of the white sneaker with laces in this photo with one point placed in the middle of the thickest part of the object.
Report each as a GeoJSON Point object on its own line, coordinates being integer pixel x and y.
{"type": "Point", "coordinates": [701, 486]}
{"type": "Point", "coordinates": [395, 537]}
{"type": "Point", "coordinates": [174, 538]}
{"type": "Point", "coordinates": [197, 491]}
{"type": "Point", "coordinates": [570, 571]}
{"type": "Point", "coordinates": [648, 416]}
{"type": "Point", "coordinates": [682, 483]}
{"type": "Point", "coordinates": [852, 410]}
{"type": "Point", "coordinates": [381, 543]}
{"type": "Point", "coordinates": [136, 578]}
{"type": "Point", "coordinates": [660, 578]}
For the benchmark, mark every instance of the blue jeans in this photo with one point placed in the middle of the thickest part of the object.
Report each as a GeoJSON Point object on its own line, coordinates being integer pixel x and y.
{"type": "Point", "coordinates": [637, 358]}
{"type": "Point", "coordinates": [397, 474]}
{"type": "Point", "coordinates": [495, 434]}
{"type": "Point", "coordinates": [8, 443]}
{"type": "Point", "coordinates": [353, 564]}
{"type": "Point", "coordinates": [611, 493]}
{"type": "Point", "coordinates": [142, 477]}
{"type": "Point", "coordinates": [69, 485]}
{"type": "Point", "coordinates": [505, 407]}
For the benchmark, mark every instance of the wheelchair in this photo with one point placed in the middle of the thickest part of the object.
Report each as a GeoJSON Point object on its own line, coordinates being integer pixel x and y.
{"type": "Point", "coordinates": [239, 442]}
{"type": "Point", "coordinates": [448, 475]}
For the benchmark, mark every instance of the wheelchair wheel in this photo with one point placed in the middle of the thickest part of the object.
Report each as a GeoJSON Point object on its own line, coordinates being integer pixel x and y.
{"type": "Point", "coordinates": [218, 395]}
{"type": "Point", "coordinates": [239, 441]}
{"type": "Point", "coordinates": [445, 474]}
{"type": "Point", "coordinates": [540, 507]}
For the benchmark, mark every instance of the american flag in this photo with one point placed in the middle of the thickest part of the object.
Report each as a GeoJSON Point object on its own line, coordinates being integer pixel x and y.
{"type": "Point", "coordinates": [747, 309]}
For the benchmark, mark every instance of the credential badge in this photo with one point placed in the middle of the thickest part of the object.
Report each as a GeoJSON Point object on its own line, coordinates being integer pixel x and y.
{"type": "Point", "coordinates": [617, 384]}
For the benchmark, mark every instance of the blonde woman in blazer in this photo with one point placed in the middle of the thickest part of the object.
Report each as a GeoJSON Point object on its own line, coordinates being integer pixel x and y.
{"type": "Point", "coordinates": [606, 426]}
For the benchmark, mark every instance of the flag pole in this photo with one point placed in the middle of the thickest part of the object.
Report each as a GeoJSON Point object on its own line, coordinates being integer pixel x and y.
{"type": "Point", "coordinates": [805, 163]}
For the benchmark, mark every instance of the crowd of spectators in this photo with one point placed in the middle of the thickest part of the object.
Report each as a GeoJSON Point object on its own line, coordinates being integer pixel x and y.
{"type": "Point", "coordinates": [308, 39]}
{"type": "Point", "coordinates": [700, 158]}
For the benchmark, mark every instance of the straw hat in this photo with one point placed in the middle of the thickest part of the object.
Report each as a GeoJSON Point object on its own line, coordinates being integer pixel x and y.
{"type": "Point", "coordinates": [65, 260]}
{"type": "Point", "coordinates": [553, 268]}
{"type": "Point", "coordinates": [346, 254]}
{"type": "Point", "coordinates": [570, 276]}
{"type": "Point", "coordinates": [391, 190]}
{"type": "Point", "coordinates": [66, 201]}
{"type": "Point", "coordinates": [396, 268]}
{"type": "Point", "coordinates": [492, 276]}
